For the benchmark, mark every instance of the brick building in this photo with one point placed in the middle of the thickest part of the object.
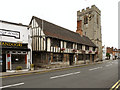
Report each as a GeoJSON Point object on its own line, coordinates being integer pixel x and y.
{"type": "Point", "coordinates": [114, 52]}
{"type": "Point", "coordinates": [109, 50]}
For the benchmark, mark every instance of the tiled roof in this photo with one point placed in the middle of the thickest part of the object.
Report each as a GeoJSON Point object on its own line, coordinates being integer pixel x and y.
{"type": "Point", "coordinates": [56, 31]}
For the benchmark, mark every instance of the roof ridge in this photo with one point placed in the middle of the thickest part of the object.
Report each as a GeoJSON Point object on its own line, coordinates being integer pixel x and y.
{"type": "Point", "coordinates": [73, 36]}
{"type": "Point", "coordinates": [19, 24]}
{"type": "Point", "coordinates": [55, 24]}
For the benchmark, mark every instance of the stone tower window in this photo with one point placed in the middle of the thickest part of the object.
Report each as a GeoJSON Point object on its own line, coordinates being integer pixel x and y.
{"type": "Point", "coordinates": [85, 19]}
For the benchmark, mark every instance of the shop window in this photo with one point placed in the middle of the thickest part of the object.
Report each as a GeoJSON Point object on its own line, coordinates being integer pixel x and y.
{"type": "Point", "coordinates": [87, 57]}
{"type": "Point", "coordinates": [80, 57]}
{"type": "Point", "coordinates": [18, 59]}
{"type": "Point", "coordinates": [57, 57]}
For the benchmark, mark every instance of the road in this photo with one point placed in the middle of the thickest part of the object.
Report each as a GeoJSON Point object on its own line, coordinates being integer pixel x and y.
{"type": "Point", "coordinates": [103, 75]}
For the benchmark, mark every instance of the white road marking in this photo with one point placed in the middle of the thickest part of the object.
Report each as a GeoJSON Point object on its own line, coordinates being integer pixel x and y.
{"type": "Point", "coordinates": [64, 75]}
{"type": "Point", "coordinates": [95, 68]}
{"type": "Point", "coordinates": [108, 65]}
{"type": "Point", "coordinates": [11, 85]}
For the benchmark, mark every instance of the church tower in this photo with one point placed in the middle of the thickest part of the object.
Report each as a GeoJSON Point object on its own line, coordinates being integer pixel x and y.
{"type": "Point", "coordinates": [90, 25]}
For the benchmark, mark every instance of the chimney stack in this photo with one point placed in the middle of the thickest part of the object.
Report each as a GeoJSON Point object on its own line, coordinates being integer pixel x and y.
{"type": "Point", "coordinates": [79, 28]}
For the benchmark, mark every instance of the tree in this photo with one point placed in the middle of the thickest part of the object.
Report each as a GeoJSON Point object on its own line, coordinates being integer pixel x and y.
{"type": "Point", "coordinates": [108, 55]}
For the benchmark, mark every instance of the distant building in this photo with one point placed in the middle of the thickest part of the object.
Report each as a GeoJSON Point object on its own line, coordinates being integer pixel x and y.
{"type": "Point", "coordinates": [15, 46]}
{"type": "Point", "coordinates": [110, 51]}
{"type": "Point", "coordinates": [54, 44]}
{"type": "Point", "coordinates": [89, 22]}
{"type": "Point", "coordinates": [114, 52]}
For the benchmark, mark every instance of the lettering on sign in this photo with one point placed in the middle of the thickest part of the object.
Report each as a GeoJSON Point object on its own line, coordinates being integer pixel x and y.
{"type": "Point", "coordinates": [10, 33]}
{"type": "Point", "coordinates": [8, 44]}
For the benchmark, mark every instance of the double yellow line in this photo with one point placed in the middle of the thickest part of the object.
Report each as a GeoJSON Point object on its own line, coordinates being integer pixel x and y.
{"type": "Point", "coordinates": [116, 85]}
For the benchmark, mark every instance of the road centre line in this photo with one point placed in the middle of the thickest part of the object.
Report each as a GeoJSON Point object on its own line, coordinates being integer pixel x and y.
{"type": "Point", "coordinates": [108, 65]}
{"type": "Point", "coordinates": [64, 75]}
{"type": "Point", "coordinates": [11, 85]}
{"type": "Point", "coordinates": [94, 68]}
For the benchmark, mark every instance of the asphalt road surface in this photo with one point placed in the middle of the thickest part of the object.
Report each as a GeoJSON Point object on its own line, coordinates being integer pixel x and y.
{"type": "Point", "coordinates": [103, 75]}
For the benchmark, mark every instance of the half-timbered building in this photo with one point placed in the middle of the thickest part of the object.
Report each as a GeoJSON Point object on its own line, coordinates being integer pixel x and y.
{"type": "Point", "coordinates": [54, 44]}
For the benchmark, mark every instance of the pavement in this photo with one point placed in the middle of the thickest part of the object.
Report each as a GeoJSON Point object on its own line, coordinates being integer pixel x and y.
{"type": "Point", "coordinates": [14, 72]}
{"type": "Point", "coordinates": [97, 76]}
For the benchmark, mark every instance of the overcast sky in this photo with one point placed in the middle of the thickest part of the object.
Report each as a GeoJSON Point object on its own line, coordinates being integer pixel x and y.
{"type": "Point", "coordinates": [63, 13]}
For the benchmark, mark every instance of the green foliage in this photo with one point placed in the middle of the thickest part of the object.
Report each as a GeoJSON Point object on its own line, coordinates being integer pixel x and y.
{"type": "Point", "coordinates": [32, 65]}
{"type": "Point", "coordinates": [107, 54]}
{"type": "Point", "coordinates": [19, 68]}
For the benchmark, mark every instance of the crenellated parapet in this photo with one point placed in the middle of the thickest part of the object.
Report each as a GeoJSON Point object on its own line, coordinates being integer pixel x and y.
{"type": "Point", "coordinates": [87, 10]}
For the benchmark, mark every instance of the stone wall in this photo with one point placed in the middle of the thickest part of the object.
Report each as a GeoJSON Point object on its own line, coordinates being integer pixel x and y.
{"type": "Point", "coordinates": [93, 28]}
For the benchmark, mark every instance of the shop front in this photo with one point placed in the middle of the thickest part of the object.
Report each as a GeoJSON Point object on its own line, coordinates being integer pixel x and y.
{"type": "Point", "coordinates": [15, 46]}
{"type": "Point", "coordinates": [14, 55]}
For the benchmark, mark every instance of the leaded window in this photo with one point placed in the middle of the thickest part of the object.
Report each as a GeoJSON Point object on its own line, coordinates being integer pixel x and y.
{"type": "Point", "coordinates": [86, 47]}
{"type": "Point", "coordinates": [55, 42]}
{"type": "Point", "coordinates": [69, 45]}
{"type": "Point", "coordinates": [79, 47]}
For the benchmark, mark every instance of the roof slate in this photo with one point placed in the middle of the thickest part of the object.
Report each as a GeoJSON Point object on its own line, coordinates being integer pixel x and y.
{"type": "Point", "coordinates": [56, 31]}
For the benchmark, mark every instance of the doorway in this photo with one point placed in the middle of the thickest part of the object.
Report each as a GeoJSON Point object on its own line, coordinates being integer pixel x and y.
{"type": "Point", "coordinates": [71, 59]}
{"type": "Point", "coordinates": [3, 62]}
{"type": "Point", "coordinates": [92, 58]}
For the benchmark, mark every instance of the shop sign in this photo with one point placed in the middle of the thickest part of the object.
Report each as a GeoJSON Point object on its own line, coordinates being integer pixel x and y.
{"type": "Point", "coordinates": [8, 44]}
{"type": "Point", "coordinates": [10, 33]}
